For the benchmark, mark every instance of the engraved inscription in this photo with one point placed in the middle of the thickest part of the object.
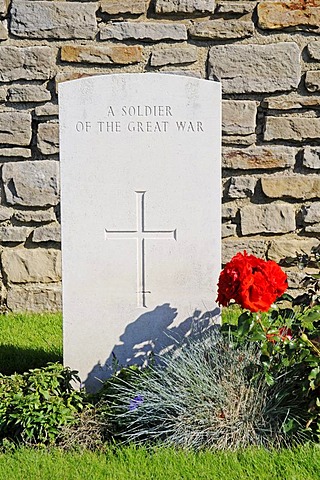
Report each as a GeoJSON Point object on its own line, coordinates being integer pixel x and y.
{"type": "Point", "coordinates": [134, 119]}
{"type": "Point", "coordinates": [141, 235]}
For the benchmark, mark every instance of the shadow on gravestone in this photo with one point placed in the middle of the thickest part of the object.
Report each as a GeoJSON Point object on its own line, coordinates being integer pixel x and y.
{"type": "Point", "coordinates": [148, 337]}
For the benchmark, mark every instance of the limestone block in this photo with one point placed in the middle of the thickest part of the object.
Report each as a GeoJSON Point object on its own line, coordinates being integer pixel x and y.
{"type": "Point", "coordinates": [173, 55]}
{"type": "Point", "coordinates": [3, 93]}
{"type": "Point", "coordinates": [4, 4]}
{"type": "Point", "coordinates": [115, 7]}
{"type": "Point", "coordinates": [235, 7]}
{"type": "Point", "coordinates": [5, 213]}
{"type": "Point", "coordinates": [241, 187]}
{"type": "Point", "coordinates": [291, 101]}
{"type": "Point", "coordinates": [281, 248]}
{"type": "Point", "coordinates": [238, 117]}
{"type": "Point", "coordinates": [15, 128]}
{"type": "Point", "coordinates": [185, 6]}
{"type": "Point", "coordinates": [15, 152]}
{"type": "Point", "coordinates": [256, 68]}
{"type": "Point", "coordinates": [47, 233]}
{"type": "Point", "coordinates": [292, 128]}
{"type": "Point", "coordinates": [277, 15]}
{"type": "Point", "coordinates": [228, 230]}
{"type": "Point", "coordinates": [26, 63]}
{"type": "Point", "coordinates": [4, 30]}
{"type": "Point", "coordinates": [256, 158]}
{"type": "Point", "coordinates": [295, 186]}
{"type": "Point", "coordinates": [253, 247]}
{"type": "Point", "coordinates": [229, 211]}
{"type": "Point", "coordinates": [34, 298]}
{"type": "Point", "coordinates": [14, 234]}
{"type": "Point", "coordinates": [312, 214]}
{"type": "Point", "coordinates": [47, 110]}
{"type": "Point", "coordinates": [311, 157]}
{"type": "Point", "coordinates": [31, 183]}
{"type": "Point", "coordinates": [313, 49]}
{"type": "Point", "coordinates": [52, 19]}
{"type": "Point", "coordinates": [144, 31]}
{"type": "Point", "coordinates": [48, 138]}
{"type": "Point", "coordinates": [295, 277]}
{"type": "Point", "coordinates": [313, 81]}
{"type": "Point", "coordinates": [222, 29]}
{"type": "Point", "coordinates": [34, 216]}
{"type": "Point", "coordinates": [244, 140]}
{"type": "Point", "coordinates": [28, 93]}
{"type": "Point", "coordinates": [113, 54]}
{"type": "Point", "coordinates": [23, 265]}
{"type": "Point", "coordinates": [279, 218]}
{"type": "Point", "coordinates": [315, 228]}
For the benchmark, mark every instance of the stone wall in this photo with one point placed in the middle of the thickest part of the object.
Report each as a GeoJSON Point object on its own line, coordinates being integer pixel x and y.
{"type": "Point", "coordinates": [267, 56]}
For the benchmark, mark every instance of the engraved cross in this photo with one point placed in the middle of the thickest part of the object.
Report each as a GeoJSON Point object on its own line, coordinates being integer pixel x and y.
{"type": "Point", "coordinates": [141, 235]}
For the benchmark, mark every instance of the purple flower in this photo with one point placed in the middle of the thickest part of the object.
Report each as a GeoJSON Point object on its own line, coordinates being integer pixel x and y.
{"type": "Point", "coordinates": [135, 402]}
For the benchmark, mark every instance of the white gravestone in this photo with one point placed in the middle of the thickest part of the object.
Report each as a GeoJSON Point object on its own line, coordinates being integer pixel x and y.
{"type": "Point", "coordinates": [140, 175]}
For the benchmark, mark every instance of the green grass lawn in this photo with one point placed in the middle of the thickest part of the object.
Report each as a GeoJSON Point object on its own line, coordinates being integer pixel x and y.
{"type": "Point", "coordinates": [131, 463]}
{"type": "Point", "coordinates": [29, 341]}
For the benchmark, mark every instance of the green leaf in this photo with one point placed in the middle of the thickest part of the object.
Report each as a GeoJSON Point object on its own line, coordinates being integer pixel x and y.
{"type": "Point", "coordinates": [244, 323]}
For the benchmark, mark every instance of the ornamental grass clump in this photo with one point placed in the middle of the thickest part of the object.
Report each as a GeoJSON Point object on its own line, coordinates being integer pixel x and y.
{"type": "Point", "coordinates": [209, 394]}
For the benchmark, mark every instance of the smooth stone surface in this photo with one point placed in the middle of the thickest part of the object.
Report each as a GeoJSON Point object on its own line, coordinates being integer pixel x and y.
{"type": "Point", "coordinates": [140, 250]}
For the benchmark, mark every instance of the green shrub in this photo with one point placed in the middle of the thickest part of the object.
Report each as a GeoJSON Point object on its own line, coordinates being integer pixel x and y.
{"type": "Point", "coordinates": [208, 394]}
{"type": "Point", "coordinates": [35, 405]}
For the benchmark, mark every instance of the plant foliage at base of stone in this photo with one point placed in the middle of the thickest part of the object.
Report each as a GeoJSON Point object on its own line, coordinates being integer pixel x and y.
{"type": "Point", "coordinates": [34, 406]}
{"type": "Point", "coordinates": [288, 337]}
{"type": "Point", "coordinates": [208, 395]}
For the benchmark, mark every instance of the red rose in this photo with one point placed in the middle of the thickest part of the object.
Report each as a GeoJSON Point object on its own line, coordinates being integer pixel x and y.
{"type": "Point", "coordinates": [251, 282]}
